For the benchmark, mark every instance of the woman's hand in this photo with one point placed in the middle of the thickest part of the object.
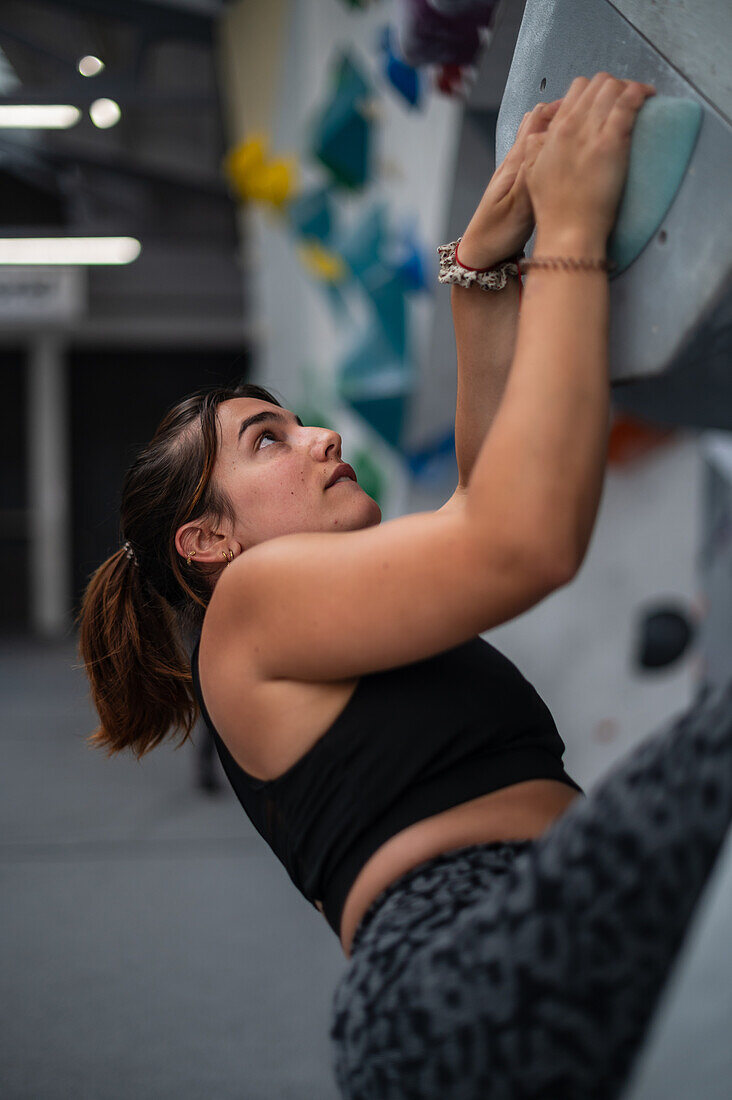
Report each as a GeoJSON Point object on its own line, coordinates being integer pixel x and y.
{"type": "Point", "coordinates": [504, 220]}
{"type": "Point", "coordinates": [575, 173]}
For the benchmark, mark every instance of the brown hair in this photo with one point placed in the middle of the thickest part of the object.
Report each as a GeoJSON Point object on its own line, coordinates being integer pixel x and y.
{"type": "Point", "coordinates": [140, 606]}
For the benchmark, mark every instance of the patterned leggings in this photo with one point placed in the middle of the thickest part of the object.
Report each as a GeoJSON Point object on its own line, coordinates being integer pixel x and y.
{"type": "Point", "coordinates": [531, 968]}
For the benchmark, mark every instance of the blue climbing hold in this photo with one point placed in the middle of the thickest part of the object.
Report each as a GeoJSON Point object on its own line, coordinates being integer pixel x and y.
{"type": "Point", "coordinates": [663, 140]}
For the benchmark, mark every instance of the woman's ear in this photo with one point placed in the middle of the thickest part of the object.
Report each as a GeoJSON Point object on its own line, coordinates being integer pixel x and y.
{"type": "Point", "coordinates": [198, 541]}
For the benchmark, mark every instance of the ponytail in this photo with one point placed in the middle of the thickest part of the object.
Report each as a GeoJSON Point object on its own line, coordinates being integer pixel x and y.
{"type": "Point", "coordinates": [138, 671]}
{"type": "Point", "coordinates": [139, 605]}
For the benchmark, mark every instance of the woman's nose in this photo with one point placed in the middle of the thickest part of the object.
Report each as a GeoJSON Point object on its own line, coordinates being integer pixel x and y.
{"type": "Point", "coordinates": [325, 441]}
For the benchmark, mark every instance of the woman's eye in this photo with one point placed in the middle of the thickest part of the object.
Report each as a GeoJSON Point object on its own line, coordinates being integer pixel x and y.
{"type": "Point", "coordinates": [271, 436]}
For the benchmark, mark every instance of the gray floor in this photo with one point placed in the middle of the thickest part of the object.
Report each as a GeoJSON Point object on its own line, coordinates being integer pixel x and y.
{"type": "Point", "coordinates": [154, 948]}
{"type": "Point", "coordinates": [152, 945]}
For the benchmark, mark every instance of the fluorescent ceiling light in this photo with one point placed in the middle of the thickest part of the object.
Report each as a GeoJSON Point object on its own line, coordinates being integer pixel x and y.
{"type": "Point", "coordinates": [104, 113]}
{"type": "Point", "coordinates": [90, 65]}
{"type": "Point", "coordinates": [57, 116]}
{"type": "Point", "coordinates": [68, 250]}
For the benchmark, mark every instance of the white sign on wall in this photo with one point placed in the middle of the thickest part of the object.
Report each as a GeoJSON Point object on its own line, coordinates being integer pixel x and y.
{"type": "Point", "coordinates": [41, 294]}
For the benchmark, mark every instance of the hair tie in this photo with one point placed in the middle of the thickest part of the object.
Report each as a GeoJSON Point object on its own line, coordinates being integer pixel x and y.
{"type": "Point", "coordinates": [127, 547]}
{"type": "Point", "coordinates": [487, 278]}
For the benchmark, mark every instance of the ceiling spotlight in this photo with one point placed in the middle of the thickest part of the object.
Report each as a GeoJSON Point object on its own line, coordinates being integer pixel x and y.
{"type": "Point", "coordinates": [104, 113]}
{"type": "Point", "coordinates": [56, 116]}
{"type": "Point", "coordinates": [90, 65]}
{"type": "Point", "coordinates": [68, 250]}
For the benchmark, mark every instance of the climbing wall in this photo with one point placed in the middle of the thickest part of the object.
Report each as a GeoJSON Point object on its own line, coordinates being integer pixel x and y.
{"type": "Point", "coordinates": [671, 299]}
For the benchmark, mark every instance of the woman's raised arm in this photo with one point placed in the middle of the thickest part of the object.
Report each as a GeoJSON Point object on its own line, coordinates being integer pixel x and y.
{"type": "Point", "coordinates": [330, 606]}
{"type": "Point", "coordinates": [318, 607]}
{"type": "Point", "coordinates": [485, 322]}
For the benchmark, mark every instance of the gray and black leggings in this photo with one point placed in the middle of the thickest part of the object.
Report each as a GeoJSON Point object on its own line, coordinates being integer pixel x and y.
{"type": "Point", "coordinates": [530, 969]}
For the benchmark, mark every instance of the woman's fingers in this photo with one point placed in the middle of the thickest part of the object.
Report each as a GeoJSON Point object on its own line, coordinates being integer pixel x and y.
{"type": "Point", "coordinates": [607, 92]}
{"type": "Point", "coordinates": [594, 99]}
{"type": "Point", "coordinates": [533, 120]}
{"type": "Point", "coordinates": [623, 112]}
{"type": "Point", "coordinates": [534, 143]}
{"type": "Point", "coordinates": [628, 95]}
{"type": "Point", "coordinates": [596, 96]}
{"type": "Point", "coordinates": [526, 122]}
{"type": "Point", "coordinates": [548, 112]}
{"type": "Point", "coordinates": [572, 95]}
{"type": "Point", "coordinates": [536, 120]}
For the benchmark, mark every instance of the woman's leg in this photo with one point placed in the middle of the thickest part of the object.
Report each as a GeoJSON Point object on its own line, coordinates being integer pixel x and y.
{"type": "Point", "coordinates": [544, 986]}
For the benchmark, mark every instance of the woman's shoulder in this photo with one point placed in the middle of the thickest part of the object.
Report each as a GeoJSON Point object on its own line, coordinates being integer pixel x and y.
{"type": "Point", "coordinates": [266, 724]}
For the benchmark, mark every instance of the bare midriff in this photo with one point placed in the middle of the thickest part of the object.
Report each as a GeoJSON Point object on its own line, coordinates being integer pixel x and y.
{"type": "Point", "coordinates": [522, 811]}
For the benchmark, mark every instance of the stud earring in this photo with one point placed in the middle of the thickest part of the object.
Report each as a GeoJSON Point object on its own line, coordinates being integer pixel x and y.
{"type": "Point", "coordinates": [191, 555]}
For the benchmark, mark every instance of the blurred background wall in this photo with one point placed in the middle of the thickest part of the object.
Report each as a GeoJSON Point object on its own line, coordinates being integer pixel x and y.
{"type": "Point", "coordinates": [93, 354]}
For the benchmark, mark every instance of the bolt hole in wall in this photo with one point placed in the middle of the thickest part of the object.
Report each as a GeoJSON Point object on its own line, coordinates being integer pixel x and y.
{"type": "Point", "coordinates": [662, 236]}
{"type": "Point", "coordinates": [542, 86]}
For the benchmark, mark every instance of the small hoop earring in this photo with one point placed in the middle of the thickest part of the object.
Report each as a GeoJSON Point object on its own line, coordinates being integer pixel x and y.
{"type": "Point", "coordinates": [191, 555]}
{"type": "Point", "coordinates": [226, 553]}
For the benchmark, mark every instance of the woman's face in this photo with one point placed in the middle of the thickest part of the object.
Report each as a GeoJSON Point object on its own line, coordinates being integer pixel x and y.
{"type": "Point", "coordinates": [275, 471]}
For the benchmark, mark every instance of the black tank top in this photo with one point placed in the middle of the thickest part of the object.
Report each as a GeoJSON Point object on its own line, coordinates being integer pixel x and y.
{"type": "Point", "coordinates": [411, 742]}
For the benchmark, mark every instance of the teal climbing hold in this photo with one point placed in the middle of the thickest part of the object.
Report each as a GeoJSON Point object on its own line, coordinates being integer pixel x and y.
{"type": "Point", "coordinates": [309, 213]}
{"type": "Point", "coordinates": [665, 132]}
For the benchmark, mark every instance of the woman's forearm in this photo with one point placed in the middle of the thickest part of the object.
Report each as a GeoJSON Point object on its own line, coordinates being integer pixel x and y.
{"type": "Point", "coordinates": [540, 470]}
{"type": "Point", "coordinates": [485, 325]}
